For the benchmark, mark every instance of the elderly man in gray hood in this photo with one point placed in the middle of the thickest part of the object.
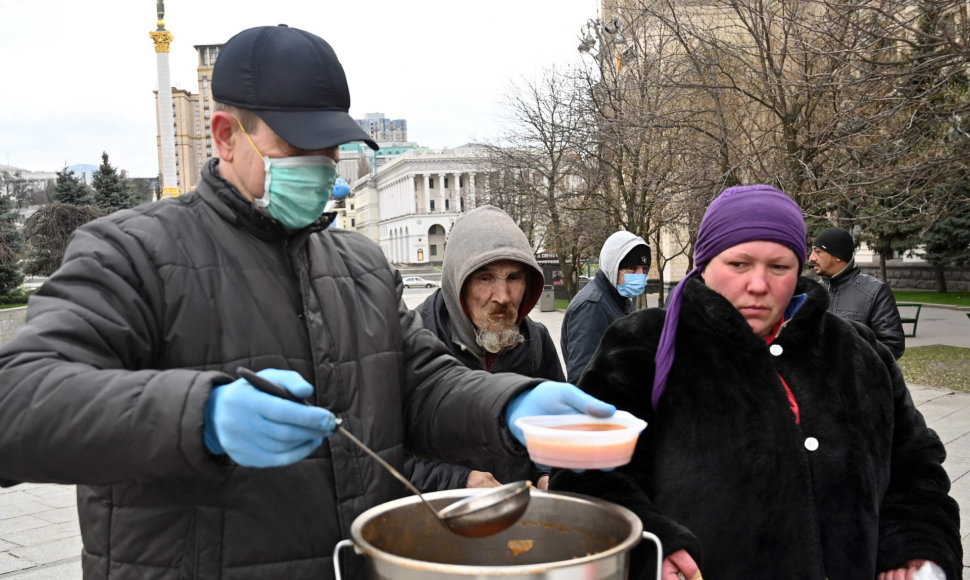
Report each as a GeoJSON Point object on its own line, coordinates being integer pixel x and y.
{"type": "Point", "coordinates": [490, 282]}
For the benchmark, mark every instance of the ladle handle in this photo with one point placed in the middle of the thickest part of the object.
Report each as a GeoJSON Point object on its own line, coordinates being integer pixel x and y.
{"type": "Point", "coordinates": [271, 388]}
{"type": "Point", "coordinates": [385, 465]}
{"type": "Point", "coordinates": [268, 386]}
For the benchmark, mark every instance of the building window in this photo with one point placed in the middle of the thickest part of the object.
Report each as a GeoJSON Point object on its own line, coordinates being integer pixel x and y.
{"type": "Point", "coordinates": [447, 204]}
{"type": "Point", "coordinates": [433, 250]}
{"type": "Point", "coordinates": [431, 184]}
{"type": "Point", "coordinates": [460, 182]}
{"type": "Point", "coordinates": [461, 201]}
{"type": "Point", "coordinates": [432, 205]}
{"type": "Point", "coordinates": [446, 183]}
{"type": "Point", "coordinates": [353, 223]}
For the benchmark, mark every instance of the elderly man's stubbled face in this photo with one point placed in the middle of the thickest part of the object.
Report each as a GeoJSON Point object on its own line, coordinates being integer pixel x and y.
{"type": "Point", "coordinates": [491, 297]}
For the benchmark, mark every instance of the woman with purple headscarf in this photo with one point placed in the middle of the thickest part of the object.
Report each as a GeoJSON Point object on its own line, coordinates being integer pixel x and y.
{"type": "Point", "coordinates": [781, 440]}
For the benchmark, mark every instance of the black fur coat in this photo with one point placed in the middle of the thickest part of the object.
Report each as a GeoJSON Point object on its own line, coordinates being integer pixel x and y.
{"type": "Point", "coordinates": [724, 471]}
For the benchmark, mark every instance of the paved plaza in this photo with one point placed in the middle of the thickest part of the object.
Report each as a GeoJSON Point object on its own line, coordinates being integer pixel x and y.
{"type": "Point", "coordinates": [39, 537]}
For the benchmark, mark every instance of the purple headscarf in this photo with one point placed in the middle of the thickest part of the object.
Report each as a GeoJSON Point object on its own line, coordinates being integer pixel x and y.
{"type": "Point", "coordinates": [740, 214]}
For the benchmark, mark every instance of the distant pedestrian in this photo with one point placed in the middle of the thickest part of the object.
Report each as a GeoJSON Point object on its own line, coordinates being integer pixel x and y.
{"type": "Point", "coordinates": [854, 295]}
{"type": "Point", "coordinates": [624, 262]}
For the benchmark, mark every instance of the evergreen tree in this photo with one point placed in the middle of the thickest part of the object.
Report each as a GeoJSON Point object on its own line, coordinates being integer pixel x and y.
{"type": "Point", "coordinates": [11, 245]}
{"type": "Point", "coordinates": [70, 190]}
{"type": "Point", "coordinates": [946, 244]}
{"type": "Point", "coordinates": [890, 228]}
{"type": "Point", "coordinates": [111, 191]}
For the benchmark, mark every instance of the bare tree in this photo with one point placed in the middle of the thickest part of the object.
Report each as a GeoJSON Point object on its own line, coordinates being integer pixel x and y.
{"type": "Point", "coordinates": [535, 167]}
{"type": "Point", "coordinates": [47, 232]}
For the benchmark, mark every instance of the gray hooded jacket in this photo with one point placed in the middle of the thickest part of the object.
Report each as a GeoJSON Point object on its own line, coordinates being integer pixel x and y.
{"type": "Point", "coordinates": [480, 237]}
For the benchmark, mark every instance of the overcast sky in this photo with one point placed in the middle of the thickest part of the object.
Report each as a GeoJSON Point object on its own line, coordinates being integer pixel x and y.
{"type": "Point", "coordinates": [77, 77]}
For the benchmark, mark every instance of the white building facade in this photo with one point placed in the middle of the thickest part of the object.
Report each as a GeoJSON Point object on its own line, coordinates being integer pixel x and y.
{"type": "Point", "coordinates": [410, 204]}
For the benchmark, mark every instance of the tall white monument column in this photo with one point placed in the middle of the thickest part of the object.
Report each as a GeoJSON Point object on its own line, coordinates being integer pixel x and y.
{"type": "Point", "coordinates": [166, 115]}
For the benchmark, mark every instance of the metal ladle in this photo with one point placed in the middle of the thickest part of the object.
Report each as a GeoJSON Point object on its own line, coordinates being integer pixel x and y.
{"type": "Point", "coordinates": [475, 516]}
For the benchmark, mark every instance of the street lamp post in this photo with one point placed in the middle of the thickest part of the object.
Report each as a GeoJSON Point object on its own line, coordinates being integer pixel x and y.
{"type": "Point", "coordinates": [592, 36]}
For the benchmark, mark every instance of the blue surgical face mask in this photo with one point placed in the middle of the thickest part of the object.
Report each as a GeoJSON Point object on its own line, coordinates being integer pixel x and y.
{"type": "Point", "coordinates": [633, 285]}
{"type": "Point", "coordinates": [296, 189]}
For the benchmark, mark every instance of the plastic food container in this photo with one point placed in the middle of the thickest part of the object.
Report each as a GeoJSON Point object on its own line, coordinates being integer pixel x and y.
{"type": "Point", "coordinates": [581, 441]}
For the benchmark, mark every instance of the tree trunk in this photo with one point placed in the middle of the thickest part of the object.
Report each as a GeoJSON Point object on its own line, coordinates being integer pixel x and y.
{"type": "Point", "coordinates": [940, 279]}
{"type": "Point", "coordinates": [882, 268]}
{"type": "Point", "coordinates": [660, 291]}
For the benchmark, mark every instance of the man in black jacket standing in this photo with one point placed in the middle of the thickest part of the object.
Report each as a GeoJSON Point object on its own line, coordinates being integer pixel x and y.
{"type": "Point", "coordinates": [490, 281]}
{"type": "Point", "coordinates": [124, 379]}
{"type": "Point", "coordinates": [854, 295]}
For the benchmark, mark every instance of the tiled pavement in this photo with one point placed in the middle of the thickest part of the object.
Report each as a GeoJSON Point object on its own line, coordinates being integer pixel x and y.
{"type": "Point", "coordinates": [39, 537]}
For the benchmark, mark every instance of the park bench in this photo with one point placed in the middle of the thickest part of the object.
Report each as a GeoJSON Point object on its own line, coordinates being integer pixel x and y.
{"type": "Point", "coordinates": [909, 314]}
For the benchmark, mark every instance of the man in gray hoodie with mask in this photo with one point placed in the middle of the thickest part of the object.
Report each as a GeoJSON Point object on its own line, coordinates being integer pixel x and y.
{"type": "Point", "coordinates": [490, 282]}
{"type": "Point", "coordinates": [624, 261]}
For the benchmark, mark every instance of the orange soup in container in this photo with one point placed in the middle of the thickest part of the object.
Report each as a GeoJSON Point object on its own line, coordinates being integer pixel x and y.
{"type": "Point", "coordinates": [581, 441]}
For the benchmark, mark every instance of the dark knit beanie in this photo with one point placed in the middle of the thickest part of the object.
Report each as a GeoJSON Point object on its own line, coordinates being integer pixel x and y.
{"type": "Point", "coordinates": [837, 242]}
{"type": "Point", "coordinates": [638, 256]}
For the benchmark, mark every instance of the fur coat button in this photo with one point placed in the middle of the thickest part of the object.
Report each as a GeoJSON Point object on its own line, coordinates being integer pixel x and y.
{"type": "Point", "coordinates": [776, 349]}
{"type": "Point", "coordinates": [811, 444]}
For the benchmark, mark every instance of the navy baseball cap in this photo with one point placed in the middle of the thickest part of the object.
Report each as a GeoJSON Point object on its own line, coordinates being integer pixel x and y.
{"type": "Point", "coordinates": [293, 81]}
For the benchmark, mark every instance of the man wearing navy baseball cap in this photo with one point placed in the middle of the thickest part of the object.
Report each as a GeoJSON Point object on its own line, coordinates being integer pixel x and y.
{"type": "Point", "coordinates": [126, 378]}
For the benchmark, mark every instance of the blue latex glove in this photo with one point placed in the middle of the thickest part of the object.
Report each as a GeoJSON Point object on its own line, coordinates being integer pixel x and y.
{"type": "Point", "coordinates": [259, 430]}
{"type": "Point", "coordinates": [552, 398]}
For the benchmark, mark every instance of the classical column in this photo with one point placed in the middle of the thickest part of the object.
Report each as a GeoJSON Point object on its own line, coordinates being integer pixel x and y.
{"type": "Point", "coordinates": [457, 190]}
{"type": "Point", "coordinates": [427, 193]}
{"type": "Point", "coordinates": [412, 195]}
{"type": "Point", "coordinates": [166, 116]}
{"type": "Point", "coordinates": [442, 195]}
{"type": "Point", "coordinates": [471, 191]}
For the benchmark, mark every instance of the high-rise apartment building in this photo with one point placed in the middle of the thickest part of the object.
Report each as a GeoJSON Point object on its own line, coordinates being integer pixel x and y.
{"type": "Point", "coordinates": [384, 130]}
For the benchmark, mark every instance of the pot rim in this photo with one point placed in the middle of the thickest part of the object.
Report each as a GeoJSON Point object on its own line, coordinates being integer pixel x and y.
{"type": "Point", "coordinates": [364, 547]}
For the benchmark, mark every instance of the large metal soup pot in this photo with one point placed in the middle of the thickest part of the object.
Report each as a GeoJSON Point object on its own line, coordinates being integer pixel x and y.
{"type": "Point", "coordinates": [561, 536]}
